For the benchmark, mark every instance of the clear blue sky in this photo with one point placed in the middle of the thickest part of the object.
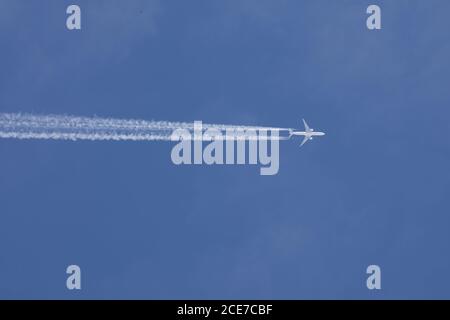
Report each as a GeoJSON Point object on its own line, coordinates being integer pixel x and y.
{"type": "Point", "coordinates": [374, 190]}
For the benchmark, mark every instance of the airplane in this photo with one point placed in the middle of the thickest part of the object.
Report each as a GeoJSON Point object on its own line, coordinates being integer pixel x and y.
{"type": "Point", "coordinates": [308, 134]}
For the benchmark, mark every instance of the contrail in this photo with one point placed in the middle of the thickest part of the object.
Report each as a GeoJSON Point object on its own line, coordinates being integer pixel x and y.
{"type": "Point", "coordinates": [62, 127]}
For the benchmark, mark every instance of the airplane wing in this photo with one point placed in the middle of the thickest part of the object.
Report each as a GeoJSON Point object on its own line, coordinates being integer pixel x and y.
{"type": "Point", "coordinates": [306, 125]}
{"type": "Point", "coordinates": [306, 138]}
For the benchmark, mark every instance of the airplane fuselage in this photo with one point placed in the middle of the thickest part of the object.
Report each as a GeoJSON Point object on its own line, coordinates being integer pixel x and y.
{"type": "Point", "coordinates": [309, 134]}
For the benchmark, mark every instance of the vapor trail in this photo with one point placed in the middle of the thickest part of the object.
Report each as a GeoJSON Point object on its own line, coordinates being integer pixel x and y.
{"type": "Point", "coordinates": [62, 127]}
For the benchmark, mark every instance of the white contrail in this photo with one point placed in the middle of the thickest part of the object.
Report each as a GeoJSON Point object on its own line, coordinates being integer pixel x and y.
{"type": "Point", "coordinates": [61, 127]}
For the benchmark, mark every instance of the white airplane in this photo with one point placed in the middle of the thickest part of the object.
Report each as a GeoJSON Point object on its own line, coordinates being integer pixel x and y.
{"type": "Point", "coordinates": [308, 134]}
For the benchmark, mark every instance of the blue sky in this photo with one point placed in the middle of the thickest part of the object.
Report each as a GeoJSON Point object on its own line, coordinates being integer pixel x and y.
{"type": "Point", "coordinates": [374, 190]}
